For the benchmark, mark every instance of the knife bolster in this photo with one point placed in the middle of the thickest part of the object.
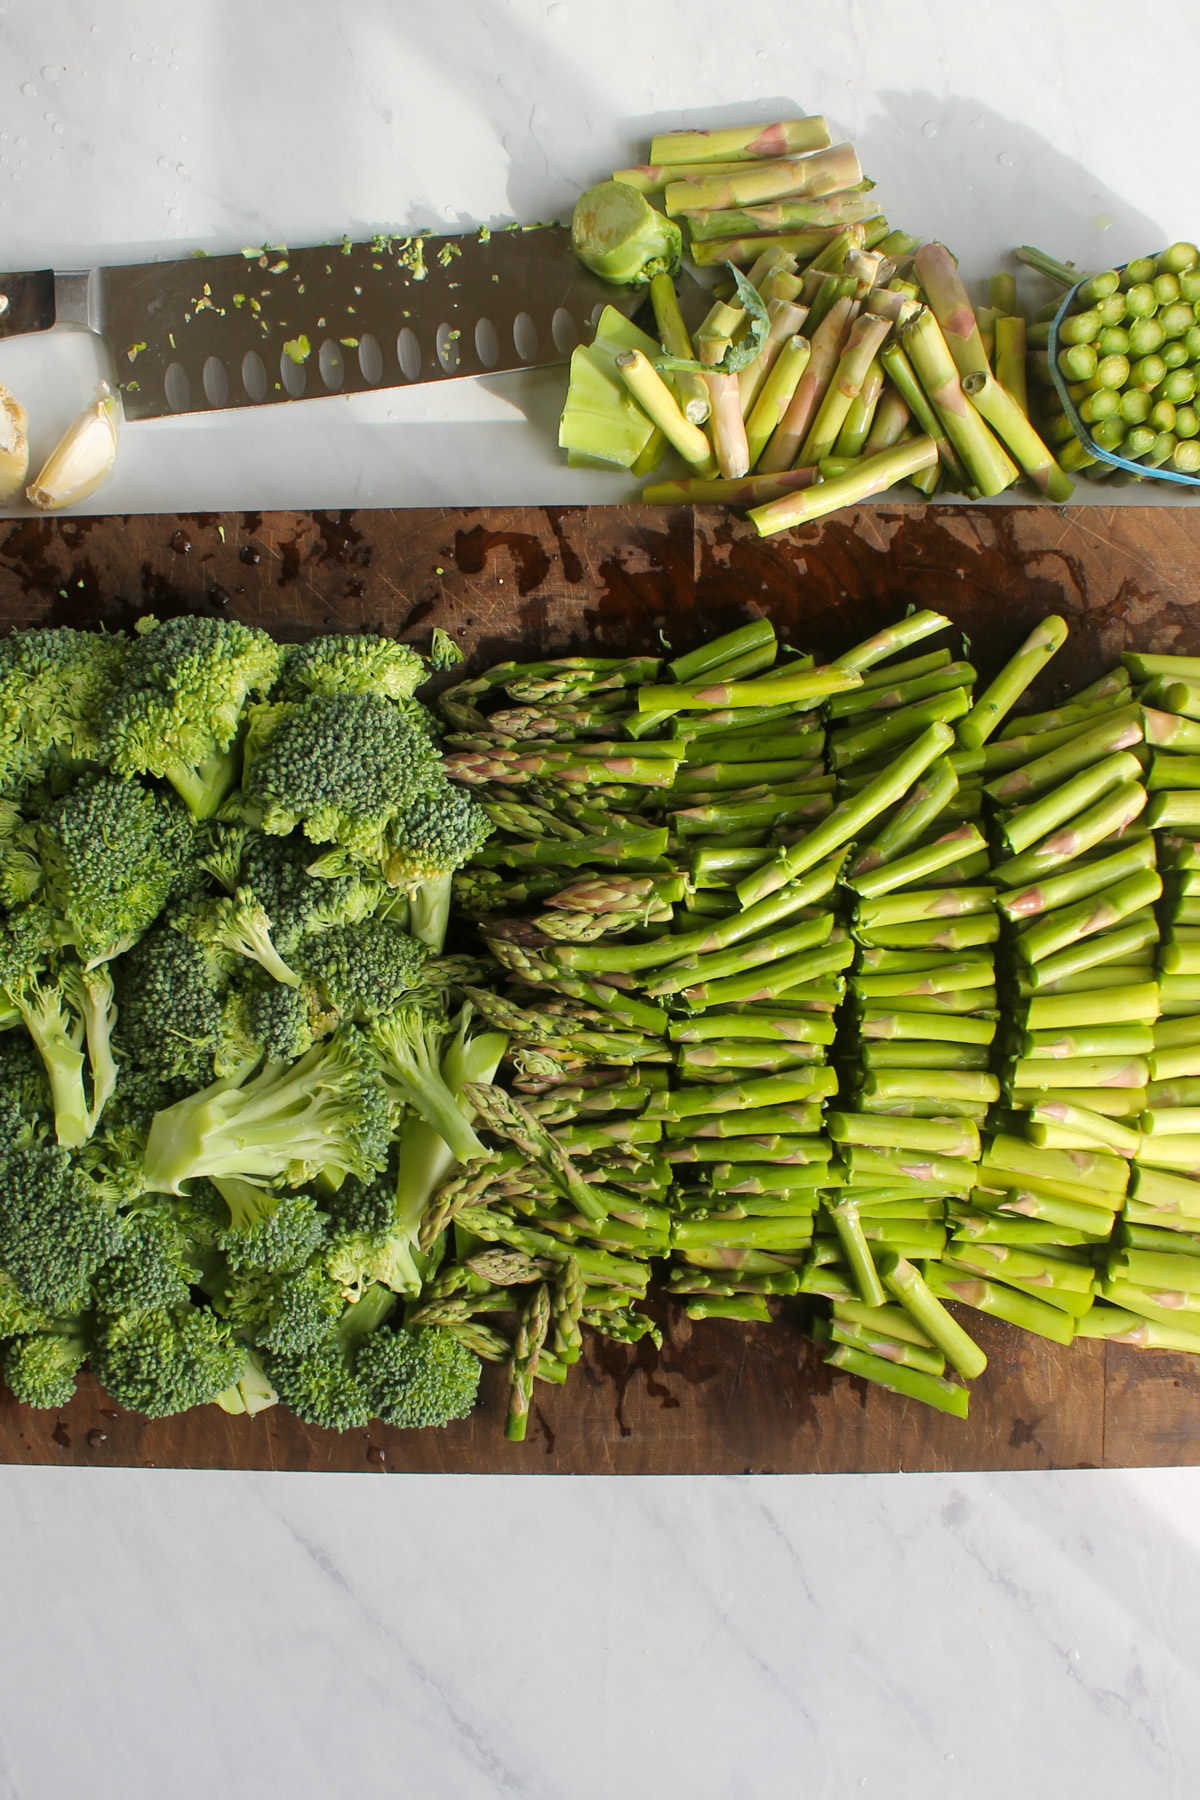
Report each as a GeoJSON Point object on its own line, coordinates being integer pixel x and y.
{"type": "Point", "coordinates": [26, 302]}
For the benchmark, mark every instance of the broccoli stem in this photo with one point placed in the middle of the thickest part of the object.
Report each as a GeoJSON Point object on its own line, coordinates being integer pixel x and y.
{"type": "Point", "coordinates": [429, 912]}
{"type": "Point", "coordinates": [406, 1045]}
{"type": "Point", "coordinates": [426, 1159]}
{"type": "Point", "coordinates": [58, 1036]}
{"type": "Point", "coordinates": [204, 788]}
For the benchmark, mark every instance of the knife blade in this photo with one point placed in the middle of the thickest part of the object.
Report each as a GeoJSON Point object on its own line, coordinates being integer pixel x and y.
{"type": "Point", "coordinates": [202, 333]}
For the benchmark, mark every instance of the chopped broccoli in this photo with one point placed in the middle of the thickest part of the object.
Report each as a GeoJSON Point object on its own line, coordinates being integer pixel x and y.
{"type": "Point", "coordinates": [275, 871]}
{"type": "Point", "coordinates": [54, 1231]}
{"type": "Point", "coordinates": [17, 1314]}
{"type": "Point", "coordinates": [351, 665]}
{"type": "Point", "coordinates": [343, 767]}
{"type": "Point", "coordinates": [166, 1360]}
{"type": "Point", "coordinates": [319, 1383]}
{"type": "Point", "coordinates": [364, 1206]}
{"type": "Point", "coordinates": [440, 831]}
{"type": "Point", "coordinates": [54, 686]}
{"type": "Point", "coordinates": [237, 923]}
{"type": "Point", "coordinates": [444, 653]}
{"type": "Point", "coordinates": [251, 1393]}
{"type": "Point", "coordinates": [171, 997]}
{"type": "Point", "coordinates": [408, 1043]}
{"type": "Point", "coordinates": [154, 1268]}
{"type": "Point", "coordinates": [270, 1231]}
{"type": "Point", "coordinates": [265, 1019]}
{"type": "Point", "coordinates": [417, 1378]}
{"type": "Point", "coordinates": [23, 1080]}
{"type": "Point", "coordinates": [181, 703]}
{"type": "Point", "coordinates": [40, 1369]}
{"type": "Point", "coordinates": [360, 971]}
{"type": "Point", "coordinates": [111, 853]}
{"type": "Point", "coordinates": [328, 1111]}
{"type": "Point", "coordinates": [59, 1006]}
{"type": "Point", "coordinates": [358, 1259]}
{"type": "Point", "coordinates": [285, 1313]}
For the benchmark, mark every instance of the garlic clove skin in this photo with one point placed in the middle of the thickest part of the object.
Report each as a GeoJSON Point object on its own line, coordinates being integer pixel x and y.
{"type": "Point", "coordinates": [82, 458]}
{"type": "Point", "coordinates": [14, 445]}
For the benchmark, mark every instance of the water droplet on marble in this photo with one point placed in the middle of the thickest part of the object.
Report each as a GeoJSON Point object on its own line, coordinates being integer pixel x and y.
{"type": "Point", "coordinates": [172, 212]}
{"type": "Point", "coordinates": [164, 162]}
{"type": "Point", "coordinates": [1005, 160]}
{"type": "Point", "coordinates": [979, 121]}
{"type": "Point", "coordinates": [180, 170]}
{"type": "Point", "coordinates": [50, 73]}
{"type": "Point", "coordinates": [28, 89]}
{"type": "Point", "coordinates": [929, 128]}
{"type": "Point", "coordinates": [21, 142]}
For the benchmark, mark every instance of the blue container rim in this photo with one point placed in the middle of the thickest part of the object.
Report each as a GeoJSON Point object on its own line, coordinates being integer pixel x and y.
{"type": "Point", "coordinates": [1077, 425]}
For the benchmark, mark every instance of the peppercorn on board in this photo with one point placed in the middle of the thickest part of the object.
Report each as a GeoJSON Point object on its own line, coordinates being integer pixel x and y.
{"type": "Point", "coordinates": [720, 1396]}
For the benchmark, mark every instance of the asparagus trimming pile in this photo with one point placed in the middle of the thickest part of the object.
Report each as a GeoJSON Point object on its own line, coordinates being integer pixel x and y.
{"type": "Point", "coordinates": [840, 357]}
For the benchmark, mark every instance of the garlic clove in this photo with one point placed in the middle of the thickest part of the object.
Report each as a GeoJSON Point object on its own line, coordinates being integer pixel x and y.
{"type": "Point", "coordinates": [82, 458]}
{"type": "Point", "coordinates": [14, 445]}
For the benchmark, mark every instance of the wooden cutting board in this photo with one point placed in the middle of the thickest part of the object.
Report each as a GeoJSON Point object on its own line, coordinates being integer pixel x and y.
{"type": "Point", "coordinates": [718, 1398]}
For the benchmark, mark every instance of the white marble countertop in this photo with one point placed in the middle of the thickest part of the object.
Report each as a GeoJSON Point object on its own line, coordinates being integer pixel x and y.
{"type": "Point", "coordinates": [130, 132]}
{"type": "Point", "coordinates": [183, 1635]}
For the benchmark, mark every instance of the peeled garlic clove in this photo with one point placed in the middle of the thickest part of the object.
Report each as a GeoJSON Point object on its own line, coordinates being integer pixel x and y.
{"type": "Point", "coordinates": [82, 458]}
{"type": "Point", "coordinates": [14, 445]}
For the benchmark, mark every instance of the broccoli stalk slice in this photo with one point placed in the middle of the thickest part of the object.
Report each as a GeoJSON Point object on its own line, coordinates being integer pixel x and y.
{"type": "Point", "coordinates": [251, 1393]}
{"type": "Point", "coordinates": [58, 1035]}
{"type": "Point", "coordinates": [429, 911]}
{"type": "Point", "coordinates": [292, 1120]}
{"type": "Point", "coordinates": [425, 1157]}
{"type": "Point", "coordinates": [407, 1043]}
{"type": "Point", "coordinates": [205, 787]}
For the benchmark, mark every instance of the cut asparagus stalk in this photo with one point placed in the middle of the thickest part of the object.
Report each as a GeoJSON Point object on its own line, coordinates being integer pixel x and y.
{"type": "Point", "coordinates": [824, 172]}
{"type": "Point", "coordinates": [986, 461]}
{"type": "Point", "coordinates": [850, 817]}
{"type": "Point", "coordinates": [898, 367]}
{"type": "Point", "coordinates": [1087, 1124]}
{"type": "Point", "coordinates": [1015, 677]}
{"type": "Point", "coordinates": [673, 334]}
{"type": "Point", "coordinates": [660, 405]}
{"type": "Point", "coordinates": [1002, 1302]}
{"type": "Point", "coordinates": [774, 398]}
{"type": "Point", "coordinates": [913, 1384]}
{"type": "Point", "coordinates": [1010, 360]}
{"type": "Point", "coordinates": [782, 218]}
{"type": "Point", "coordinates": [907, 1285]}
{"type": "Point", "coordinates": [827, 339]}
{"type": "Point", "coordinates": [1077, 882]}
{"type": "Point", "coordinates": [1070, 924]}
{"type": "Point", "coordinates": [867, 336]}
{"type": "Point", "coordinates": [749, 490]}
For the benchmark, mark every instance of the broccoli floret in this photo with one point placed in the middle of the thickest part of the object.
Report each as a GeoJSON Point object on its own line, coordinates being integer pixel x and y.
{"type": "Point", "coordinates": [417, 1378]}
{"type": "Point", "coordinates": [274, 871]}
{"type": "Point", "coordinates": [162, 1362]}
{"type": "Point", "coordinates": [438, 833]}
{"type": "Point", "coordinates": [17, 1314]}
{"type": "Point", "coordinates": [54, 1231]}
{"type": "Point", "coordinates": [356, 1260]}
{"type": "Point", "coordinates": [328, 1111]}
{"type": "Point", "coordinates": [351, 665]}
{"type": "Point", "coordinates": [23, 1081]}
{"type": "Point", "coordinates": [181, 702]}
{"type": "Point", "coordinates": [285, 1313]}
{"type": "Point", "coordinates": [444, 653]}
{"type": "Point", "coordinates": [360, 971]}
{"type": "Point", "coordinates": [111, 852]}
{"type": "Point", "coordinates": [364, 1206]}
{"type": "Point", "coordinates": [264, 1019]}
{"type": "Point", "coordinates": [171, 997]}
{"type": "Point", "coordinates": [49, 993]}
{"type": "Point", "coordinates": [237, 923]}
{"type": "Point", "coordinates": [319, 1383]}
{"type": "Point", "coordinates": [267, 1230]}
{"type": "Point", "coordinates": [54, 687]}
{"type": "Point", "coordinates": [343, 767]}
{"type": "Point", "coordinates": [40, 1370]}
{"type": "Point", "coordinates": [154, 1268]}
{"type": "Point", "coordinates": [408, 1043]}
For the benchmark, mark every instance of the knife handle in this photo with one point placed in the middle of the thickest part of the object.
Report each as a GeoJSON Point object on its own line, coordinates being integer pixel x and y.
{"type": "Point", "coordinates": [26, 302]}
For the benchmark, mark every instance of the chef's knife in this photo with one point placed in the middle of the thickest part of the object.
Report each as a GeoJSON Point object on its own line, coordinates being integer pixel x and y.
{"type": "Point", "coordinates": [207, 332]}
